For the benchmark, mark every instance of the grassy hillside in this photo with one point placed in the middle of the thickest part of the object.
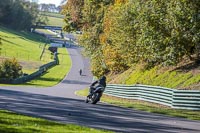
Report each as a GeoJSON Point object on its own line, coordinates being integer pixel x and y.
{"type": "Point", "coordinates": [20, 44]}
{"type": "Point", "coordinates": [54, 75]}
{"type": "Point", "coordinates": [25, 47]}
{"type": "Point", "coordinates": [184, 76]}
{"type": "Point", "coordinates": [53, 19]}
{"type": "Point", "coordinates": [52, 14]}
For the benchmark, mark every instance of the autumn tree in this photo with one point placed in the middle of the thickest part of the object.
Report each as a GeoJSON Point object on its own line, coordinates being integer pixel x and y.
{"type": "Point", "coordinates": [121, 33]}
{"type": "Point", "coordinates": [73, 15]}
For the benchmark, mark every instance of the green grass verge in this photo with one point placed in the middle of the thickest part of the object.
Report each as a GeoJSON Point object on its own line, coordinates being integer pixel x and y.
{"type": "Point", "coordinates": [146, 106]}
{"type": "Point", "coordinates": [54, 75]}
{"type": "Point", "coordinates": [15, 123]}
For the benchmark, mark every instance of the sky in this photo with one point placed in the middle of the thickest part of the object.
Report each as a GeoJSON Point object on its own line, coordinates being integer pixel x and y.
{"type": "Point", "coordinates": [56, 2]}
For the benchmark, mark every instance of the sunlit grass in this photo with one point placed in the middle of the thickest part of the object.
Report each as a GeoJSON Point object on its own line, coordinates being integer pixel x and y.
{"type": "Point", "coordinates": [21, 45]}
{"type": "Point", "coordinates": [156, 77]}
{"type": "Point", "coordinates": [54, 21]}
{"type": "Point", "coordinates": [54, 75]}
{"type": "Point", "coordinates": [52, 14]}
{"type": "Point", "coordinates": [27, 48]}
{"type": "Point", "coordinates": [15, 123]}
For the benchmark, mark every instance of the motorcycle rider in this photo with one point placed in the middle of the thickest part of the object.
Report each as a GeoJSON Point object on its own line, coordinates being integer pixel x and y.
{"type": "Point", "coordinates": [100, 83]}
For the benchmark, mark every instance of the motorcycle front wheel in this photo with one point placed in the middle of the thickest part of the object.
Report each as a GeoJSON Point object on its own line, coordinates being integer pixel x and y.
{"type": "Point", "coordinates": [95, 98]}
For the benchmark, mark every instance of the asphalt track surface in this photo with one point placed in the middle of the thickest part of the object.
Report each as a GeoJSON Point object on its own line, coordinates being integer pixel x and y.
{"type": "Point", "coordinates": [59, 103]}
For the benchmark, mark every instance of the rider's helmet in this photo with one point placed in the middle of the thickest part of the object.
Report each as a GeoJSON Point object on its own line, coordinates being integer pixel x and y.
{"type": "Point", "coordinates": [103, 78]}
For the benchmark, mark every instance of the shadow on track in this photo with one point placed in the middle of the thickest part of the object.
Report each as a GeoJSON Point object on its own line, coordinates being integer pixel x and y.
{"type": "Point", "coordinates": [75, 111]}
{"type": "Point", "coordinates": [76, 82]}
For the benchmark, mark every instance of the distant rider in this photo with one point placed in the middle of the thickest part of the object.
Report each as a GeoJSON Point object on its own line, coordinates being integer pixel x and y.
{"type": "Point", "coordinates": [80, 72]}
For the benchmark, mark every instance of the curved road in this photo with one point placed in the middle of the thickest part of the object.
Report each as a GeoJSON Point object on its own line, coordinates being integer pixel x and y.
{"type": "Point", "coordinates": [59, 103]}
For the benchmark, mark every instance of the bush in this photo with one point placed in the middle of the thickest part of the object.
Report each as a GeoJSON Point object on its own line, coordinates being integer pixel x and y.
{"type": "Point", "coordinates": [10, 69]}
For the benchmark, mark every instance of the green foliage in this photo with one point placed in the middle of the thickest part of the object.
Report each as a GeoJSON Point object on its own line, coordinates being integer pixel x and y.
{"type": "Point", "coordinates": [10, 69]}
{"type": "Point", "coordinates": [18, 14]}
{"type": "Point", "coordinates": [88, 15]}
{"type": "Point", "coordinates": [119, 38]}
{"type": "Point", "coordinates": [73, 15]}
{"type": "Point", "coordinates": [124, 33]}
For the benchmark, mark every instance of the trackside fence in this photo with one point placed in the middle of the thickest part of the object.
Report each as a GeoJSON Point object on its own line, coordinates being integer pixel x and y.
{"type": "Point", "coordinates": [38, 73]}
{"type": "Point", "coordinates": [42, 69]}
{"type": "Point", "coordinates": [179, 99]}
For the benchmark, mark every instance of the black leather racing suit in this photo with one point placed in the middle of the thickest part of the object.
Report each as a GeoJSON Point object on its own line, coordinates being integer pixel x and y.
{"type": "Point", "coordinates": [100, 82]}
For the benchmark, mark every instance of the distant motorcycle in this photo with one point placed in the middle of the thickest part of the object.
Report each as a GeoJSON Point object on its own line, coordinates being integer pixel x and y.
{"type": "Point", "coordinates": [95, 94]}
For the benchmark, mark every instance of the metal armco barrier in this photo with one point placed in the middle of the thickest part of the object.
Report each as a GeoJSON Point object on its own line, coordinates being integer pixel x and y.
{"type": "Point", "coordinates": [41, 70]}
{"type": "Point", "coordinates": [179, 99]}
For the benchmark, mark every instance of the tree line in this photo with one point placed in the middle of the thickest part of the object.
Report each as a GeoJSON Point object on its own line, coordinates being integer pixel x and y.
{"type": "Point", "coordinates": [19, 14]}
{"type": "Point", "coordinates": [118, 34]}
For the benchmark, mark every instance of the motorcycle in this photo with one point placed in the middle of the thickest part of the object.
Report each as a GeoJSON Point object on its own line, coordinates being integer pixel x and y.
{"type": "Point", "coordinates": [95, 94]}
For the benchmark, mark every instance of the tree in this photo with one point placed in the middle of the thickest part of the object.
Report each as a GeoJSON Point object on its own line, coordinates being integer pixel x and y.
{"type": "Point", "coordinates": [5, 9]}
{"type": "Point", "coordinates": [10, 69]}
{"type": "Point", "coordinates": [73, 12]}
{"type": "Point", "coordinates": [18, 14]}
{"type": "Point", "coordinates": [119, 38]}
